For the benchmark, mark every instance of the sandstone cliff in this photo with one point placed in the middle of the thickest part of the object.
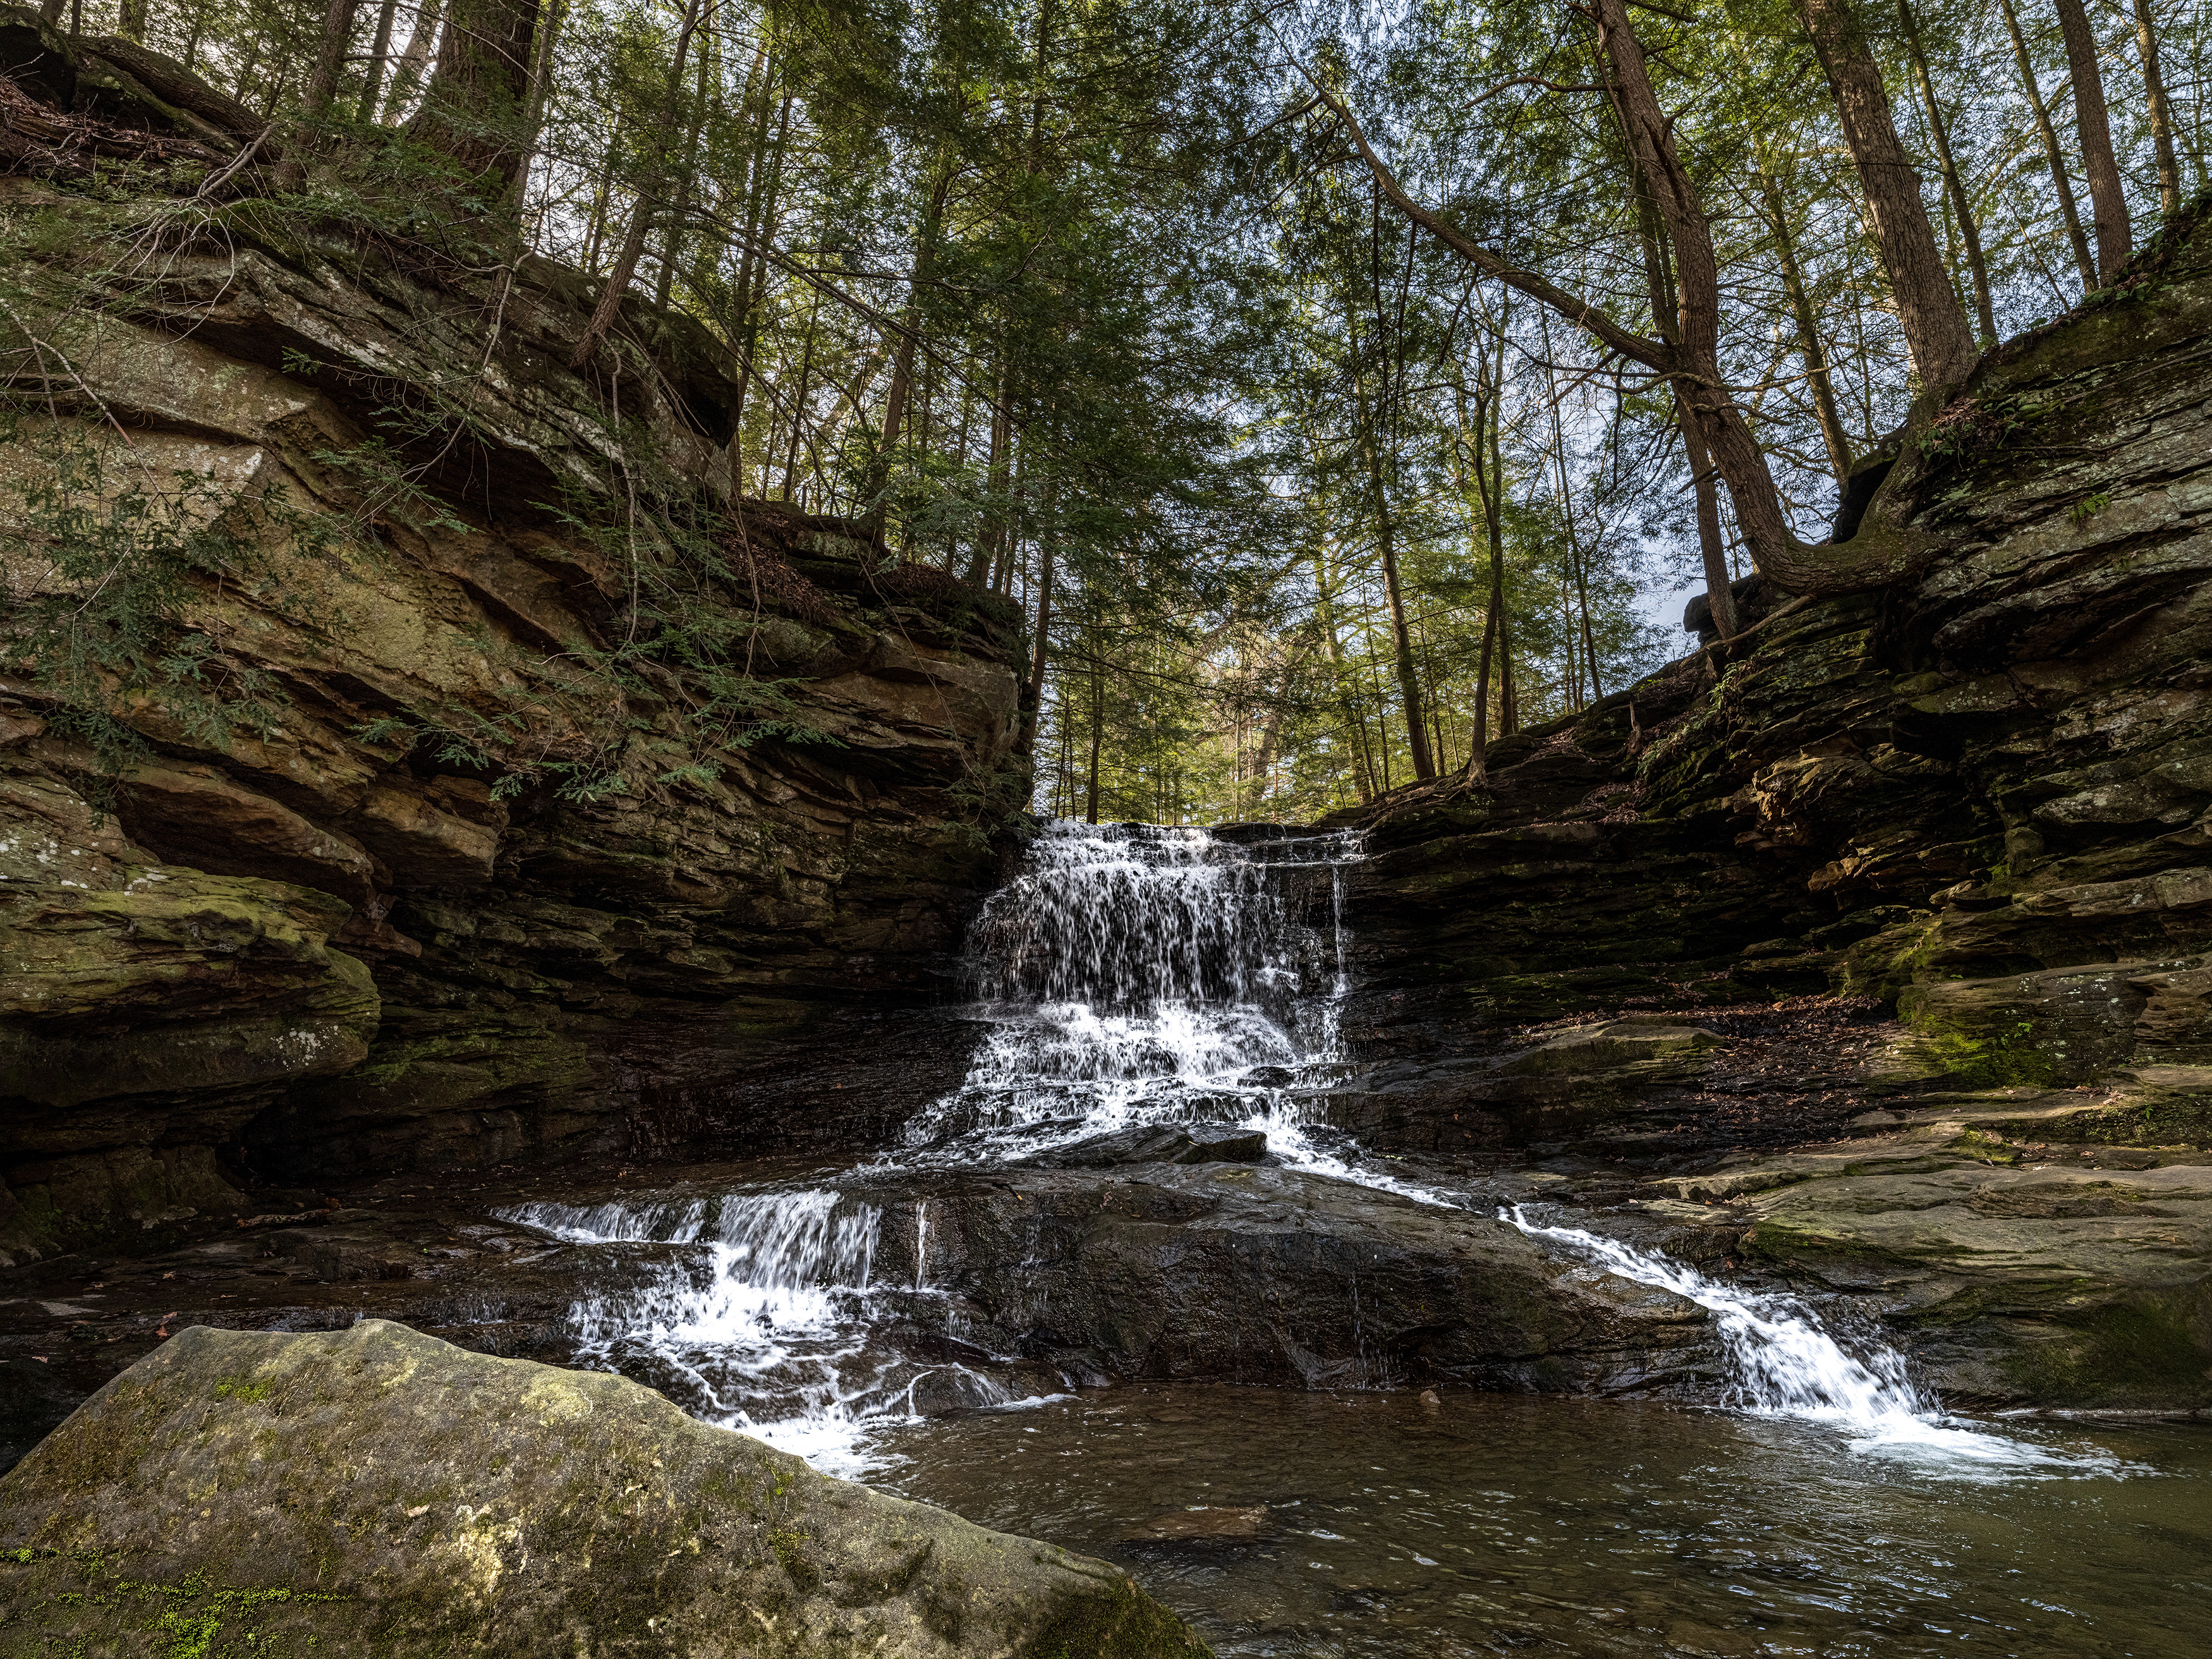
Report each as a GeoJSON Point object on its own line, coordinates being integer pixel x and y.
{"type": "Point", "coordinates": [494, 788]}
{"type": "Point", "coordinates": [1923, 873]}
{"type": "Point", "coordinates": [1982, 791]}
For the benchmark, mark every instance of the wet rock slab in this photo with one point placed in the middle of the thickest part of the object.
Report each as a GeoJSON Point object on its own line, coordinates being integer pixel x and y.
{"type": "Point", "coordinates": [1276, 1276]}
{"type": "Point", "coordinates": [379, 1491]}
{"type": "Point", "coordinates": [2058, 1276]}
{"type": "Point", "coordinates": [1161, 1143]}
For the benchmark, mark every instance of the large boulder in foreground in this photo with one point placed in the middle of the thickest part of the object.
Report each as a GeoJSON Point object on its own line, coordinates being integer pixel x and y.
{"type": "Point", "coordinates": [378, 1490]}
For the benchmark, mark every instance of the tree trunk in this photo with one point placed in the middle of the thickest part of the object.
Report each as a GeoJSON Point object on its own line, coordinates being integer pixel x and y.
{"type": "Point", "coordinates": [1934, 324]}
{"type": "Point", "coordinates": [379, 54]}
{"type": "Point", "coordinates": [671, 245]}
{"type": "Point", "coordinates": [1488, 485]}
{"type": "Point", "coordinates": [1808, 334]}
{"type": "Point", "coordinates": [1658, 275]}
{"type": "Point", "coordinates": [1968, 231]}
{"type": "Point", "coordinates": [131, 22]}
{"type": "Point", "coordinates": [541, 92]}
{"type": "Point", "coordinates": [322, 87]}
{"type": "Point", "coordinates": [1567, 513]}
{"type": "Point", "coordinates": [901, 389]}
{"type": "Point", "coordinates": [650, 192]}
{"type": "Point", "coordinates": [1043, 641]}
{"type": "Point", "coordinates": [1324, 612]}
{"type": "Point", "coordinates": [2053, 153]}
{"type": "Point", "coordinates": [1712, 549]}
{"type": "Point", "coordinates": [2108, 202]}
{"type": "Point", "coordinates": [617, 284]}
{"type": "Point", "coordinates": [2162, 113]}
{"type": "Point", "coordinates": [472, 110]}
{"type": "Point", "coordinates": [1370, 414]}
{"type": "Point", "coordinates": [1097, 726]}
{"type": "Point", "coordinates": [422, 41]}
{"type": "Point", "coordinates": [981, 567]}
{"type": "Point", "coordinates": [753, 183]}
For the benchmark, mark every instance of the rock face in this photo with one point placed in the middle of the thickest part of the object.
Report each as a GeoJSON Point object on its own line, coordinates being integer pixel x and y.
{"type": "Point", "coordinates": [2043, 1274]}
{"type": "Point", "coordinates": [539, 836]}
{"type": "Point", "coordinates": [1981, 791]}
{"type": "Point", "coordinates": [378, 1490]}
{"type": "Point", "coordinates": [1227, 1273]}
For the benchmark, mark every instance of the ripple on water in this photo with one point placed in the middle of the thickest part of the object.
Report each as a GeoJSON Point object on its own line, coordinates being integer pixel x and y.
{"type": "Point", "coordinates": [1502, 1524]}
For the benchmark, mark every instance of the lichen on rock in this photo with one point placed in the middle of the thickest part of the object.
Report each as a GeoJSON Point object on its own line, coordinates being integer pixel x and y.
{"type": "Point", "coordinates": [376, 1491]}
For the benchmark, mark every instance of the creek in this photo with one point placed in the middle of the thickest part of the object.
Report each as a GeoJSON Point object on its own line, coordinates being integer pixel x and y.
{"type": "Point", "coordinates": [1146, 994]}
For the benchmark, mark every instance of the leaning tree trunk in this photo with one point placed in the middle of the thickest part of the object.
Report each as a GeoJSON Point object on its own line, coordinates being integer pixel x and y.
{"type": "Point", "coordinates": [2162, 113]}
{"type": "Point", "coordinates": [1696, 341]}
{"type": "Point", "coordinates": [1934, 323]}
{"type": "Point", "coordinates": [475, 107]}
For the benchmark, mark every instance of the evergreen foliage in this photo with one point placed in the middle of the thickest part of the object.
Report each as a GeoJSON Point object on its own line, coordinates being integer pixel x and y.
{"type": "Point", "coordinates": [1095, 305]}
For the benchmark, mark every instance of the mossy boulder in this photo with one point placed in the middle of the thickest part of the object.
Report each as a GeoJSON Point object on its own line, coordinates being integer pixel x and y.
{"type": "Point", "coordinates": [379, 1491]}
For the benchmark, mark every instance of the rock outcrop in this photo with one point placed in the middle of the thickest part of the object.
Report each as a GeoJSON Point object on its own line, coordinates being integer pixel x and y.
{"type": "Point", "coordinates": [1227, 1273]}
{"type": "Point", "coordinates": [378, 1490]}
{"type": "Point", "coordinates": [1981, 792]}
{"type": "Point", "coordinates": [491, 785]}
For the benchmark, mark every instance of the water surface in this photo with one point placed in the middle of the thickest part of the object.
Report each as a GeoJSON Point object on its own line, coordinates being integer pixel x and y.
{"type": "Point", "coordinates": [1505, 1524]}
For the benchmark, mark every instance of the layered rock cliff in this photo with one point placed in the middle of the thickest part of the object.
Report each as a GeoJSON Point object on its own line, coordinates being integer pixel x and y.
{"type": "Point", "coordinates": [1924, 873]}
{"type": "Point", "coordinates": [498, 789]}
{"type": "Point", "coordinates": [1981, 791]}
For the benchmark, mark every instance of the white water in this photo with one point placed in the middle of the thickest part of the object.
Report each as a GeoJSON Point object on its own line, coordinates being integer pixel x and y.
{"type": "Point", "coordinates": [1128, 974]}
{"type": "Point", "coordinates": [1788, 1363]}
{"type": "Point", "coordinates": [1134, 974]}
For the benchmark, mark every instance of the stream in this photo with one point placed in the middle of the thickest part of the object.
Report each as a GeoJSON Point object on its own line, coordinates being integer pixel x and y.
{"type": "Point", "coordinates": [1133, 981]}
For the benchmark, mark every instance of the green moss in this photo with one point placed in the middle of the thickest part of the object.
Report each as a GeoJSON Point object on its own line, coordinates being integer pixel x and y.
{"type": "Point", "coordinates": [2008, 1058]}
{"type": "Point", "coordinates": [2146, 1350]}
{"type": "Point", "coordinates": [243, 1393]}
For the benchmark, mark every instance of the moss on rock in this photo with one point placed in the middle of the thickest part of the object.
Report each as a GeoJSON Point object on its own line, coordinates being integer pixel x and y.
{"type": "Point", "coordinates": [377, 1491]}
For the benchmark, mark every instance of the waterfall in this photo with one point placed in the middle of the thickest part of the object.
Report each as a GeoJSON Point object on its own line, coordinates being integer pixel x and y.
{"type": "Point", "coordinates": [1127, 974]}
{"type": "Point", "coordinates": [1131, 974]}
{"type": "Point", "coordinates": [1787, 1363]}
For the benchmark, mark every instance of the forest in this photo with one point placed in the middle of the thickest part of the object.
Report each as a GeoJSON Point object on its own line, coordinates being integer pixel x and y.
{"type": "Point", "coordinates": [1336, 390]}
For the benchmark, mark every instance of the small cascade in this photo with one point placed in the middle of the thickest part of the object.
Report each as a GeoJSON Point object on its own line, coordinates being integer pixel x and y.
{"type": "Point", "coordinates": [1788, 1364]}
{"type": "Point", "coordinates": [751, 1314]}
{"type": "Point", "coordinates": [1131, 974]}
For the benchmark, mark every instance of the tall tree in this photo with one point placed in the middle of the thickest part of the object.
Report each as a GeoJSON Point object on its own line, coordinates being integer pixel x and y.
{"type": "Point", "coordinates": [2161, 112]}
{"type": "Point", "coordinates": [473, 108]}
{"type": "Point", "coordinates": [2108, 199]}
{"type": "Point", "coordinates": [1961, 205]}
{"type": "Point", "coordinates": [2055, 156]}
{"type": "Point", "coordinates": [1927, 308]}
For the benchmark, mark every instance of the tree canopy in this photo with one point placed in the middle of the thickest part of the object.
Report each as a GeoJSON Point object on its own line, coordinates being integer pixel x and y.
{"type": "Point", "coordinates": [1336, 388]}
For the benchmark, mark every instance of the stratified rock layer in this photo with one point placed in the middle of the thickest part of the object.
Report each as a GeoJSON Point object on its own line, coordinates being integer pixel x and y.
{"type": "Point", "coordinates": [1982, 790]}
{"type": "Point", "coordinates": [378, 1490]}
{"type": "Point", "coordinates": [406, 920]}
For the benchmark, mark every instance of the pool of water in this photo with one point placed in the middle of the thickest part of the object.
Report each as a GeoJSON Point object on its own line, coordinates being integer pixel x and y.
{"type": "Point", "coordinates": [1539, 1525]}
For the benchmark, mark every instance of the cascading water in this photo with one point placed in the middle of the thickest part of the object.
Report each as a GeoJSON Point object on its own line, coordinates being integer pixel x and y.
{"type": "Point", "coordinates": [1128, 975]}
{"type": "Point", "coordinates": [1136, 975]}
{"type": "Point", "coordinates": [756, 1325]}
{"type": "Point", "coordinates": [1788, 1364]}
